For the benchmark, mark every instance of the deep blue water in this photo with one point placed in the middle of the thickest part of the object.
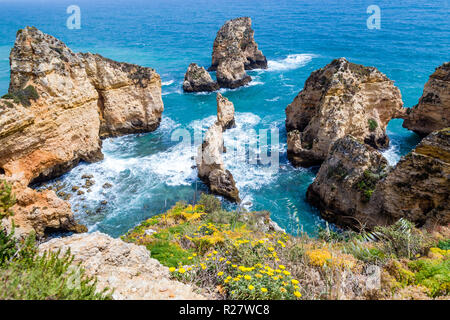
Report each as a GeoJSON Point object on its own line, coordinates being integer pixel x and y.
{"type": "Point", "coordinates": [150, 172]}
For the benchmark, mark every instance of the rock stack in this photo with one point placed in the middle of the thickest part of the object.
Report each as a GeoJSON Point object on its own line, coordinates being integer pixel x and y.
{"type": "Point", "coordinates": [340, 99]}
{"type": "Point", "coordinates": [210, 166]}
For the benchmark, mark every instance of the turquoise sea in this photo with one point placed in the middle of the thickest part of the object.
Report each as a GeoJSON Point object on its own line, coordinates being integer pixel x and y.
{"type": "Point", "coordinates": [149, 172]}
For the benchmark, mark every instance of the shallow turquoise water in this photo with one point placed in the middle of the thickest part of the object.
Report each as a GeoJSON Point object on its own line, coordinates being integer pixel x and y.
{"type": "Point", "coordinates": [149, 172]}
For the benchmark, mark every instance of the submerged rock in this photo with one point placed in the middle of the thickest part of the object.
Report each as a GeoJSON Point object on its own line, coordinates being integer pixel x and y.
{"type": "Point", "coordinates": [225, 112]}
{"type": "Point", "coordinates": [210, 166]}
{"type": "Point", "coordinates": [355, 187]}
{"type": "Point", "coordinates": [235, 51]}
{"type": "Point", "coordinates": [197, 79]}
{"type": "Point", "coordinates": [433, 110]}
{"type": "Point", "coordinates": [59, 104]}
{"type": "Point", "coordinates": [124, 267]}
{"type": "Point", "coordinates": [340, 99]}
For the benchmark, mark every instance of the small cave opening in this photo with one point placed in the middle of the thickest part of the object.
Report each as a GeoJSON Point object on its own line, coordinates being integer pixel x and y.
{"type": "Point", "coordinates": [51, 233]}
{"type": "Point", "coordinates": [2, 171]}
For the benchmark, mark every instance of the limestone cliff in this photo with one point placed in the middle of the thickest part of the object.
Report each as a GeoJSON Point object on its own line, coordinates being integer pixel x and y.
{"type": "Point", "coordinates": [197, 79]}
{"type": "Point", "coordinates": [235, 51]}
{"type": "Point", "coordinates": [356, 188]}
{"type": "Point", "coordinates": [433, 110]}
{"type": "Point", "coordinates": [418, 187]}
{"type": "Point", "coordinates": [127, 268]}
{"type": "Point", "coordinates": [344, 184]}
{"type": "Point", "coordinates": [340, 99]}
{"type": "Point", "coordinates": [58, 105]}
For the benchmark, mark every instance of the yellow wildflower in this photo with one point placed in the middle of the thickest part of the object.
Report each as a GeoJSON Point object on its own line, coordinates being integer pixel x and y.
{"type": "Point", "coordinates": [247, 277]}
{"type": "Point", "coordinates": [294, 281]}
{"type": "Point", "coordinates": [181, 270]}
{"type": "Point", "coordinates": [263, 290]}
{"type": "Point", "coordinates": [297, 294]}
{"type": "Point", "coordinates": [171, 269]}
{"type": "Point", "coordinates": [281, 267]}
{"type": "Point", "coordinates": [251, 287]}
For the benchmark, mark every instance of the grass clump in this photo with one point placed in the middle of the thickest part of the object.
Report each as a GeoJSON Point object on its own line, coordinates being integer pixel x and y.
{"type": "Point", "coordinates": [23, 96]}
{"type": "Point", "coordinates": [373, 125]}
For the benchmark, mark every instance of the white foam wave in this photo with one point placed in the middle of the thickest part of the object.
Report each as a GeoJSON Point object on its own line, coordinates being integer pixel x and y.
{"type": "Point", "coordinates": [291, 62]}
{"type": "Point", "coordinates": [167, 83]}
{"type": "Point", "coordinates": [273, 99]}
{"type": "Point", "coordinates": [391, 154]}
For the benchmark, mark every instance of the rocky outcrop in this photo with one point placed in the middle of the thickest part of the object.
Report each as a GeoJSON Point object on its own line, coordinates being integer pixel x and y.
{"type": "Point", "coordinates": [345, 182]}
{"type": "Point", "coordinates": [356, 188]}
{"type": "Point", "coordinates": [210, 166]}
{"type": "Point", "coordinates": [340, 99]}
{"type": "Point", "coordinates": [418, 187]}
{"type": "Point", "coordinates": [58, 105]}
{"type": "Point", "coordinates": [197, 79]}
{"type": "Point", "coordinates": [225, 112]}
{"type": "Point", "coordinates": [235, 51]}
{"type": "Point", "coordinates": [433, 110]}
{"type": "Point", "coordinates": [127, 268]}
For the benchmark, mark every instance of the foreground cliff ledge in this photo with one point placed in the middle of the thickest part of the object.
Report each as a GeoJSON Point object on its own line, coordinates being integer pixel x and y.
{"type": "Point", "coordinates": [58, 106]}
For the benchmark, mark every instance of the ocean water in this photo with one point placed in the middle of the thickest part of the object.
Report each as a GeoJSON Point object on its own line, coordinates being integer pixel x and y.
{"type": "Point", "coordinates": [150, 172]}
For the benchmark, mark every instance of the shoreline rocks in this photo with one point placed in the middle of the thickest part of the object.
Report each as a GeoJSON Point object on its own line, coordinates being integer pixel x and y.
{"type": "Point", "coordinates": [235, 51]}
{"type": "Point", "coordinates": [433, 110]}
{"type": "Point", "coordinates": [356, 188]}
{"type": "Point", "coordinates": [340, 99]}
{"type": "Point", "coordinates": [59, 105]}
{"type": "Point", "coordinates": [127, 268]}
{"type": "Point", "coordinates": [197, 79]}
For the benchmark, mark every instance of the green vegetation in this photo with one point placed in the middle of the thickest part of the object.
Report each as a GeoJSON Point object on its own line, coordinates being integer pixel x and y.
{"type": "Point", "coordinates": [23, 96]}
{"type": "Point", "coordinates": [238, 256]}
{"type": "Point", "coordinates": [373, 125]}
{"type": "Point", "coordinates": [338, 172]}
{"type": "Point", "coordinates": [26, 274]}
{"type": "Point", "coordinates": [7, 200]}
{"type": "Point", "coordinates": [366, 184]}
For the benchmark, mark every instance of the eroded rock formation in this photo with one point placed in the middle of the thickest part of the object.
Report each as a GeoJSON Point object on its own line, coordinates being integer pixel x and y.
{"type": "Point", "coordinates": [197, 79]}
{"type": "Point", "coordinates": [127, 268]}
{"type": "Point", "coordinates": [58, 105]}
{"type": "Point", "coordinates": [418, 187]}
{"type": "Point", "coordinates": [345, 182]}
{"type": "Point", "coordinates": [210, 166]}
{"type": "Point", "coordinates": [433, 110]}
{"type": "Point", "coordinates": [235, 51]}
{"type": "Point", "coordinates": [225, 112]}
{"type": "Point", "coordinates": [340, 99]}
{"type": "Point", "coordinates": [355, 187]}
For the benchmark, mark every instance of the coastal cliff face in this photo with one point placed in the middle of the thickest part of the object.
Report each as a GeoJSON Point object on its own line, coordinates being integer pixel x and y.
{"type": "Point", "coordinates": [235, 51]}
{"type": "Point", "coordinates": [340, 99]}
{"type": "Point", "coordinates": [127, 268]}
{"type": "Point", "coordinates": [58, 106]}
{"type": "Point", "coordinates": [433, 110]}
{"type": "Point", "coordinates": [418, 187]}
{"type": "Point", "coordinates": [197, 79]}
{"type": "Point", "coordinates": [355, 187]}
{"type": "Point", "coordinates": [345, 182]}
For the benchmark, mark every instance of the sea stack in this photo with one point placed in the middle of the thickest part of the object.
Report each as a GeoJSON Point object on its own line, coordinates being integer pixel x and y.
{"type": "Point", "coordinates": [433, 110]}
{"type": "Point", "coordinates": [235, 51]}
{"type": "Point", "coordinates": [210, 166]}
{"type": "Point", "coordinates": [225, 112]}
{"type": "Point", "coordinates": [197, 79]}
{"type": "Point", "coordinates": [340, 99]}
{"type": "Point", "coordinates": [58, 106]}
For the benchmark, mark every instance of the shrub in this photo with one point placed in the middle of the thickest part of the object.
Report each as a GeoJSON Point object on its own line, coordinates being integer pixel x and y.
{"type": "Point", "coordinates": [372, 124]}
{"type": "Point", "coordinates": [401, 239]}
{"type": "Point", "coordinates": [7, 200]}
{"type": "Point", "coordinates": [210, 203]}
